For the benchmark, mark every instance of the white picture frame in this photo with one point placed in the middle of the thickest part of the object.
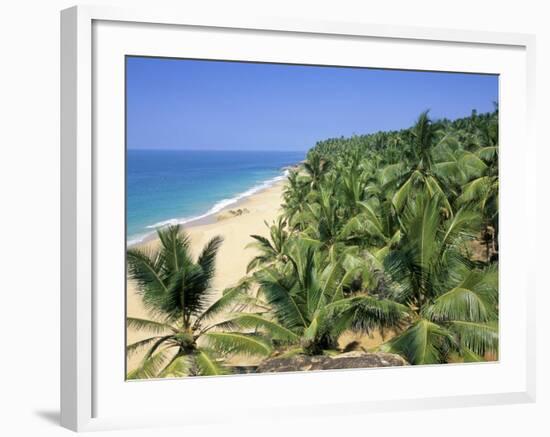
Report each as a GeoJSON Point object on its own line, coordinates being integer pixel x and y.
{"type": "Point", "coordinates": [91, 38]}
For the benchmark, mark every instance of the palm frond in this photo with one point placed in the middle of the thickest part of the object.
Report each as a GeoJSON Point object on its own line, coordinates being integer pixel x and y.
{"type": "Point", "coordinates": [233, 343]}
{"type": "Point", "coordinates": [402, 193]}
{"type": "Point", "coordinates": [475, 190]}
{"type": "Point", "coordinates": [471, 165]}
{"type": "Point", "coordinates": [259, 322]}
{"type": "Point", "coordinates": [460, 304]}
{"type": "Point", "coordinates": [150, 367]}
{"type": "Point", "coordinates": [280, 298]}
{"type": "Point", "coordinates": [179, 366]}
{"type": "Point", "coordinates": [148, 325]}
{"type": "Point", "coordinates": [174, 248]}
{"type": "Point", "coordinates": [261, 243]}
{"type": "Point", "coordinates": [138, 345]}
{"type": "Point", "coordinates": [423, 343]}
{"type": "Point", "coordinates": [188, 292]}
{"type": "Point", "coordinates": [157, 344]}
{"type": "Point", "coordinates": [146, 269]}
{"type": "Point", "coordinates": [207, 257]}
{"type": "Point", "coordinates": [479, 338]}
{"type": "Point", "coordinates": [230, 297]}
{"type": "Point", "coordinates": [464, 223]}
{"type": "Point", "coordinates": [487, 153]}
{"type": "Point", "coordinates": [367, 313]}
{"type": "Point", "coordinates": [470, 356]}
{"type": "Point", "coordinates": [208, 365]}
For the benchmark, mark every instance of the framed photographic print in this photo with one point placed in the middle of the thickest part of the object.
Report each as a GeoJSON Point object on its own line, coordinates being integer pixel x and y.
{"type": "Point", "coordinates": [257, 209]}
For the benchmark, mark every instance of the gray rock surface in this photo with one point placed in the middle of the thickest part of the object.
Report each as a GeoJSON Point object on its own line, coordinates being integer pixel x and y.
{"type": "Point", "coordinates": [349, 360]}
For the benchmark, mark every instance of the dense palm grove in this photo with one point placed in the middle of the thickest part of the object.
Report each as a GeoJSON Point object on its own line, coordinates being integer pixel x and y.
{"type": "Point", "coordinates": [393, 233]}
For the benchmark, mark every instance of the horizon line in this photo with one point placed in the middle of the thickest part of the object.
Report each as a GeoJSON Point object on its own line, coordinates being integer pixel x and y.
{"type": "Point", "coordinates": [215, 150]}
{"type": "Point", "coordinates": [354, 134]}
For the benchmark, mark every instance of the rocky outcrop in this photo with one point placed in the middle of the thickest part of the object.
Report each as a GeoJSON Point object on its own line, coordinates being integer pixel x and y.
{"type": "Point", "coordinates": [350, 360]}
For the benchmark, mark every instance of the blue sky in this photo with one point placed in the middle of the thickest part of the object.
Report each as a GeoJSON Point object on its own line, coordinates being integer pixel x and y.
{"type": "Point", "coordinates": [197, 105]}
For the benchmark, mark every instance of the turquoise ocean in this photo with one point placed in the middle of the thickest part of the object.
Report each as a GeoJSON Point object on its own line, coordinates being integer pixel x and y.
{"type": "Point", "coordinates": [179, 186]}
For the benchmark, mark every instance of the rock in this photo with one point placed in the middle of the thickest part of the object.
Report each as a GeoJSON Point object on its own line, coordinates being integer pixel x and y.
{"type": "Point", "coordinates": [349, 360]}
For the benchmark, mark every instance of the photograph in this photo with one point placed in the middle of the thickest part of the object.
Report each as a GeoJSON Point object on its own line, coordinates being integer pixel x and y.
{"type": "Point", "coordinates": [288, 217]}
{"type": "Point", "coordinates": [256, 217]}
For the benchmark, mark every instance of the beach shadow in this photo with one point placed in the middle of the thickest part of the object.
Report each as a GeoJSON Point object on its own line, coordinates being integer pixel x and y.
{"type": "Point", "coordinates": [51, 416]}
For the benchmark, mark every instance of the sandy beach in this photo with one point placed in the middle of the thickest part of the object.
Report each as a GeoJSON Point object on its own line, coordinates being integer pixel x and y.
{"type": "Point", "coordinates": [233, 255]}
{"type": "Point", "coordinates": [235, 224]}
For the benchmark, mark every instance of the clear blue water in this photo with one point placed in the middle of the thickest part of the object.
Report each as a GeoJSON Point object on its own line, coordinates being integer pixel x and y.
{"type": "Point", "coordinates": [165, 186]}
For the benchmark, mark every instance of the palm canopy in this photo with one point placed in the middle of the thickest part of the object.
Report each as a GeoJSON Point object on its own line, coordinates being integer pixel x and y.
{"type": "Point", "coordinates": [295, 194]}
{"type": "Point", "coordinates": [461, 321]}
{"type": "Point", "coordinates": [171, 284]}
{"type": "Point", "coordinates": [455, 304]}
{"type": "Point", "coordinates": [315, 167]}
{"type": "Point", "coordinates": [184, 337]}
{"type": "Point", "coordinates": [412, 207]}
{"type": "Point", "coordinates": [377, 234]}
{"type": "Point", "coordinates": [308, 301]}
{"type": "Point", "coordinates": [271, 250]}
{"type": "Point", "coordinates": [420, 173]}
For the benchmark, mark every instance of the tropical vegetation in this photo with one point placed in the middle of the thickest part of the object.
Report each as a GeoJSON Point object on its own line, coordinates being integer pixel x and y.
{"type": "Point", "coordinates": [183, 338]}
{"type": "Point", "coordinates": [393, 233]}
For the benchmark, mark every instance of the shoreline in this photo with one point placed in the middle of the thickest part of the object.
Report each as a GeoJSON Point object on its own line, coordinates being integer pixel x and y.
{"type": "Point", "coordinates": [211, 216]}
{"type": "Point", "coordinates": [233, 255]}
{"type": "Point", "coordinates": [214, 217]}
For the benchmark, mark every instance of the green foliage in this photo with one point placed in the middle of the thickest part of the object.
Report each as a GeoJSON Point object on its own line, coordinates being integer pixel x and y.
{"type": "Point", "coordinates": [378, 232]}
{"type": "Point", "coordinates": [406, 206]}
{"type": "Point", "coordinates": [177, 290]}
{"type": "Point", "coordinates": [424, 342]}
{"type": "Point", "coordinates": [309, 302]}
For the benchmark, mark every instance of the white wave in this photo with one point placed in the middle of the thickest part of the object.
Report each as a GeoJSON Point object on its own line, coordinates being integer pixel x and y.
{"type": "Point", "coordinates": [138, 239]}
{"type": "Point", "coordinates": [218, 206]}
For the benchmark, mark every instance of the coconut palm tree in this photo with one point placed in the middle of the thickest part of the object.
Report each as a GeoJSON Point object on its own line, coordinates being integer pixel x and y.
{"type": "Point", "coordinates": [353, 188]}
{"type": "Point", "coordinates": [454, 303]}
{"type": "Point", "coordinates": [309, 306]}
{"type": "Point", "coordinates": [270, 252]}
{"type": "Point", "coordinates": [184, 337]}
{"type": "Point", "coordinates": [315, 167]}
{"type": "Point", "coordinates": [421, 170]}
{"type": "Point", "coordinates": [481, 190]}
{"type": "Point", "coordinates": [295, 194]}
